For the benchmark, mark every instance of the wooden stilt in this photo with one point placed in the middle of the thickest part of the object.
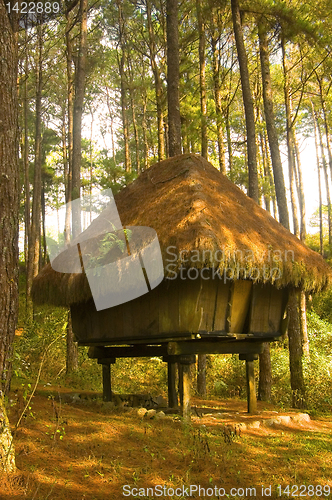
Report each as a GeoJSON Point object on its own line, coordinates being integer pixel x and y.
{"type": "Point", "coordinates": [172, 396]}
{"type": "Point", "coordinates": [186, 408]}
{"type": "Point", "coordinates": [251, 386]}
{"type": "Point", "coordinates": [107, 387]}
{"type": "Point", "coordinates": [185, 362]}
{"type": "Point", "coordinates": [180, 383]}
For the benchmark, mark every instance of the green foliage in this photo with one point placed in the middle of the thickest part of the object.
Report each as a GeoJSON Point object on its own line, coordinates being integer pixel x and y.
{"type": "Point", "coordinates": [226, 376]}
{"type": "Point", "coordinates": [322, 305]}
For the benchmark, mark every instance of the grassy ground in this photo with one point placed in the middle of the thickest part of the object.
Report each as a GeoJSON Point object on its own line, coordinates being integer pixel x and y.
{"type": "Point", "coordinates": [88, 449]}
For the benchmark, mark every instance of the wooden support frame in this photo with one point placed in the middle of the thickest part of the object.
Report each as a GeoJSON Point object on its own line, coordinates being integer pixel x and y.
{"type": "Point", "coordinates": [182, 353]}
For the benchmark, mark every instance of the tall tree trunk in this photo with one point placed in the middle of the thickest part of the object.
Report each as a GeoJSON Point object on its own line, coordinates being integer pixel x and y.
{"type": "Point", "coordinates": [247, 101]}
{"type": "Point", "coordinates": [43, 227]}
{"type": "Point", "coordinates": [303, 233]}
{"type": "Point", "coordinates": [158, 84]}
{"type": "Point", "coordinates": [27, 236]}
{"type": "Point", "coordinates": [77, 121]}
{"type": "Point", "coordinates": [124, 112]}
{"type": "Point", "coordinates": [133, 110]}
{"type": "Point", "coordinates": [271, 127]}
{"type": "Point", "coordinates": [34, 243]}
{"type": "Point", "coordinates": [326, 124]}
{"type": "Point", "coordinates": [70, 108]}
{"type": "Point", "coordinates": [321, 241]}
{"type": "Point", "coordinates": [202, 80]}
{"type": "Point", "coordinates": [173, 78]}
{"type": "Point", "coordinates": [201, 375]}
{"type": "Point", "coordinates": [144, 129]}
{"type": "Point", "coordinates": [80, 77]}
{"type": "Point", "coordinates": [328, 198]}
{"type": "Point", "coordinates": [72, 349]}
{"type": "Point", "coordinates": [9, 220]}
{"type": "Point", "coordinates": [229, 141]}
{"type": "Point", "coordinates": [303, 229]}
{"type": "Point", "coordinates": [201, 361]}
{"type": "Point", "coordinates": [267, 197]}
{"type": "Point", "coordinates": [290, 144]}
{"type": "Point", "coordinates": [110, 112]}
{"type": "Point", "coordinates": [303, 322]}
{"type": "Point", "coordinates": [295, 351]}
{"type": "Point", "coordinates": [218, 105]}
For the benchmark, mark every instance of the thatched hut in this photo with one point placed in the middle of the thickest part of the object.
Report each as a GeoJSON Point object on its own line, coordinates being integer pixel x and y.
{"type": "Point", "coordinates": [228, 268]}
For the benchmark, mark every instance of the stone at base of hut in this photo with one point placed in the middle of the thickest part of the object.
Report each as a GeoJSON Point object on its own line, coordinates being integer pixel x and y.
{"type": "Point", "coordinates": [141, 412]}
{"type": "Point", "coordinates": [150, 414]}
{"type": "Point", "coordinates": [140, 400]}
{"type": "Point", "coordinates": [300, 418]}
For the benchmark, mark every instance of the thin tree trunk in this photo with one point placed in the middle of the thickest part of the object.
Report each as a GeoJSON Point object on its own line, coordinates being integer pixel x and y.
{"type": "Point", "coordinates": [77, 121]}
{"type": "Point", "coordinates": [303, 322]}
{"type": "Point", "coordinates": [132, 102]}
{"type": "Point", "coordinates": [43, 211]}
{"type": "Point", "coordinates": [321, 245]}
{"type": "Point", "coordinates": [303, 229]}
{"type": "Point", "coordinates": [70, 108]}
{"type": "Point", "coordinates": [144, 128]}
{"type": "Point", "coordinates": [247, 101]}
{"type": "Point", "coordinates": [219, 112]}
{"type": "Point", "coordinates": [202, 80]}
{"type": "Point", "coordinates": [295, 351]}
{"type": "Point", "coordinates": [173, 78]}
{"type": "Point", "coordinates": [271, 127]}
{"type": "Point", "coordinates": [290, 145]}
{"type": "Point", "coordinates": [111, 125]}
{"type": "Point", "coordinates": [91, 165]}
{"type": "Point", "coordinates": [124, 113]}
{"type": "Point", "coordinates": [229, 142]}
{"type": "Point", "coordinates": [326, 125]}
{"type": "Point", "coordinates": [270, 176]}
{"type": "Point", "coordinates": [72, 349]}
{"type": "Point", "coordinates": [328, 198]}
{"type": "Point", "coordinates": [267, 197]}
{"type": "Point", "coordinates": [158, 84]}
{"type": "Point", "coordinates": [77, 138]}
{"type": "Point", "coordinates": [201, 375]}
{"type": "Point", "coordinates": [34, 243]}
{"type": "Point", "coordinates": [27, 236]}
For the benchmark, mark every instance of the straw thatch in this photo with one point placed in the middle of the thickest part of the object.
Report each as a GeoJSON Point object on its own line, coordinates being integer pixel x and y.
{"type": "Point", "coordinates": [208, 222]}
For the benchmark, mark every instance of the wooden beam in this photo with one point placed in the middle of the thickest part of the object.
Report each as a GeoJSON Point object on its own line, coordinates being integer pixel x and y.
{"type": "Point", "coordinates": [214, 347]}
{"type": "Point", "coordinates": [134, 351]}
{"type": "Point", "coordinates": [106, 361]}
{"type": "Point", "coordinates": [107, 387]}
{"type": "Point", "coordinates": [171, 376]}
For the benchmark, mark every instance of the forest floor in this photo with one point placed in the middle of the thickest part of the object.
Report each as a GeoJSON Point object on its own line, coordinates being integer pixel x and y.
{"type": "Point", "coordinates": [91, 450]}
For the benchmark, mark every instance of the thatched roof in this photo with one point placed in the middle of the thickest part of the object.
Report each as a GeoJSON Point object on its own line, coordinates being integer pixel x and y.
{"type": "Point", "coordinates": [202, 220]}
